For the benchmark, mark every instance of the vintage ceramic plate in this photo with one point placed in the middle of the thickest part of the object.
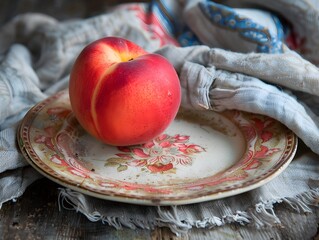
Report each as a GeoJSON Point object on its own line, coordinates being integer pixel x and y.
{"type": "Point", "coordinates": [201, 156]}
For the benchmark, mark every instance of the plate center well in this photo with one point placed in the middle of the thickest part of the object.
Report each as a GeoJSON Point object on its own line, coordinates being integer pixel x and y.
{"type": "Point", "coordinates": [196, 145]}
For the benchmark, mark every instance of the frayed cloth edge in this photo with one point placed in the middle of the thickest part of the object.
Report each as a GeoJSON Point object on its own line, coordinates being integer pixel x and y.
{"type": "Point", "coordinates": [261, 215]}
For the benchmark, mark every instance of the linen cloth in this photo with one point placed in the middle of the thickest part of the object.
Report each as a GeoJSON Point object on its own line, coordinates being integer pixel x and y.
{"type": "Point", "coordinates": [226, 58]}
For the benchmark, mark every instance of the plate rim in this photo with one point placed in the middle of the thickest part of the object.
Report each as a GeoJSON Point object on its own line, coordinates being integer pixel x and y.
{"type": "Point", "coordinates": [235, 189]}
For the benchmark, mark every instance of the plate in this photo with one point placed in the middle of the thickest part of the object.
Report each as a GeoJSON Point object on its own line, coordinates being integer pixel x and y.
{"type": "Point", "coordinates": [203, 155]}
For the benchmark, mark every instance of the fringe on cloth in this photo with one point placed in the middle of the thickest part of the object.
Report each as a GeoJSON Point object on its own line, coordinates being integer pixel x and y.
{"type": "Point", "coordinates": [261, 215]}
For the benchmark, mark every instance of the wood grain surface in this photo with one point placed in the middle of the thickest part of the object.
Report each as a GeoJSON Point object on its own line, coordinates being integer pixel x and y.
{"type": "Point", "coordinates": [36, 215]}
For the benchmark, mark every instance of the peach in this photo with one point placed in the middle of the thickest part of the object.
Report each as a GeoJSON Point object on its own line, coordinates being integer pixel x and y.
{"type": "Point", "coordinates": [121, 94]}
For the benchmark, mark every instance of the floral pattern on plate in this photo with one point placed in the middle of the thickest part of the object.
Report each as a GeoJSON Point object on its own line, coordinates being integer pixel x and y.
{"type": "Point", "coordinates": [159, 155]}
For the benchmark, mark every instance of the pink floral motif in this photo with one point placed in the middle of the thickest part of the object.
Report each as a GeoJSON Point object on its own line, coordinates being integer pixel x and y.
{"type": "Point", "coordinates": [59, 112]}
{"type": "Point", "coordinates": [159, 155]}
{"type": "Point", "coordinates": [70, 166]}
{"type": "Point", "coordinates": [57, 159]}
{"type": "Point", "coordinates": [260, 129]}
{"type": "Point", "coordinates": [60, 141]}
{"type": "Point", "coordinates": [47, 138]}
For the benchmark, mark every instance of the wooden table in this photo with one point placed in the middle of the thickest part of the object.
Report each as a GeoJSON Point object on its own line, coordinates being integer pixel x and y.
{"type": "Point", "coordinates": [36, 215]}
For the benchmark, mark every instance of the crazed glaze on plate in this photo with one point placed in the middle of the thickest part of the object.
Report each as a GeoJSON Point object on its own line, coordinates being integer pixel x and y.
{"type": "Point", "coordinates": [202, 156]}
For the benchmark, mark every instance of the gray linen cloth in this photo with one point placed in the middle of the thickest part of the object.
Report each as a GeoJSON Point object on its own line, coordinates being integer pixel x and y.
{"type": "Point", "coordinates": [37, 53]}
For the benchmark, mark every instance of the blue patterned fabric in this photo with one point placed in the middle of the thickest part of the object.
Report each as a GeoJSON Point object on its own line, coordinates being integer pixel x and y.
{"type": "Point", "coordinates": [166, 11]}
{"type": "Point", "coordinates": [188, 38]}
{"type": "Point", "coordinates": [163, 11]}
{"type": "Point", "coordinates": [227, 18]}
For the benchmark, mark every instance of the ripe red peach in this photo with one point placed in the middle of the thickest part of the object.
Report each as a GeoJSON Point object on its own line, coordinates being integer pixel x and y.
{"type": "Point", "coordinates": [122, 94]}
